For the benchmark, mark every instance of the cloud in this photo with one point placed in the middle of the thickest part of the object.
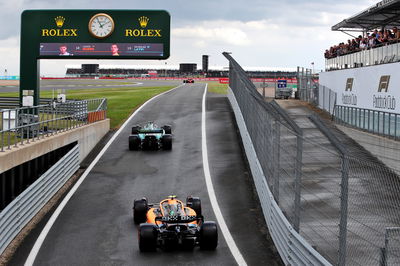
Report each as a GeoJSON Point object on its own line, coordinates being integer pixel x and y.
{"type": "Point", "coordinates": [283, 33]}
{"type": "Point", "coordinates": [9, 54]}
{"type": "Point", "coordinates": [216, 32]}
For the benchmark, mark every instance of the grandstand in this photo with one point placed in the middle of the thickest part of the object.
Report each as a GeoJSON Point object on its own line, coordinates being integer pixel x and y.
{"type": "Point", "coordinates": [126, 71]}
{"type": "Point", "coordinates": [383, 16]}
{"type": "Point", "coordinates": [365, 83]}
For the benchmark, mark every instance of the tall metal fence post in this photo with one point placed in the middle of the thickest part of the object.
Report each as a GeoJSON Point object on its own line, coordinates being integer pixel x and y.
{"type": "Point", "coordinates": [297, 184]}
{"type": "Point", "coordinates": [302, 84]}
{"type": "Point", "coordinates": [276, 160]}
{"type": "Point", "coordinates": [298, 82]}
{"type": "Point", "coordinates": [343, 210]}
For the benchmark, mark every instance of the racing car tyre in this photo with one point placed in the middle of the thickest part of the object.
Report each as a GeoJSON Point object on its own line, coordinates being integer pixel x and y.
{"type": "Point", "coordinates": [195, 204]}
{"type": "Point", "coordinates": [140, 208]}
{"type": "Point", "coordinates": [166, 141]}
{"type": "Point", "coordinates": [208, 236]}
{"type": "Point", "coordinates": [134, 142]}
{"type": "Point", "coordinates": [167, 129]}
{"type": "Point", "coordinates": [147, 237]}
{"type": "Point", "coordinates": [135, 130]}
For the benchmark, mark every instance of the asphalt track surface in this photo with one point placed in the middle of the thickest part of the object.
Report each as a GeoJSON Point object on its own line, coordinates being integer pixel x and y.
{"type": "Point", "coordinates": [96, 226]}
{"type": "Point", "coordinates": [76, 84]}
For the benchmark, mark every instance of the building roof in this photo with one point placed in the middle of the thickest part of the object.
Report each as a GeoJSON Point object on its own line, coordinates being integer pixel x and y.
{"type": "Point", "coordinates": [385, 13]}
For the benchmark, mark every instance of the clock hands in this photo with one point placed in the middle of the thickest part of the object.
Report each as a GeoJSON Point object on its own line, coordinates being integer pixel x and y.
{"type": "Point", "coordinates": [101, 25]}
{"type": "Point", "coordinates": [106, 23]}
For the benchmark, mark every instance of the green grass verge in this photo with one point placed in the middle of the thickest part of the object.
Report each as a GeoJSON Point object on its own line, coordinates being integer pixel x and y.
{"type": "Point", "coordinates": [121, 102]}
{"type": "Point", "coordinates": [216, 87]}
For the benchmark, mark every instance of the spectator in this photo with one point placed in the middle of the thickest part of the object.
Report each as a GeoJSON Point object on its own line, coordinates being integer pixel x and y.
{"type": "Point", "coordinates": [364, 43]}
{"type": "Point", "coordinates": [396, 34]}
{"type": "Point", "coordinates": [327, 54]}
{"type": "Point", "coordinates": [354, 45]}
{"type": "Point", "coordinates": [371, 40]}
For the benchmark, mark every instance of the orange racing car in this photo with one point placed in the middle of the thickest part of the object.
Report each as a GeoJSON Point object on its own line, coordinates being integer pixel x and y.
{"type": "Point", "coordinates": [170, 224]}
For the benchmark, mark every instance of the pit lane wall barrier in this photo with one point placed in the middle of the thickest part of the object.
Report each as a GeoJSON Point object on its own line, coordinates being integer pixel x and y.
{"type": "Point", "coordinates": [321, 206]}
{"type": "Point", "coordinates": [294, 250]}
{"type": "Point", "coordinates": [23, 208]}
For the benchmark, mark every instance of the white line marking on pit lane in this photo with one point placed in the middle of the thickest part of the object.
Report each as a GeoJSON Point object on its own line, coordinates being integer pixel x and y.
{"type": "Point", "coordinates": [211, 193]}
{"type": "Point", "coordinates": [38, 244]}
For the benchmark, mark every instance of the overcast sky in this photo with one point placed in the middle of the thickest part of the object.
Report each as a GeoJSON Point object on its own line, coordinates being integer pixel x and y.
{"type": "Point", "coordinates": [259, 33]}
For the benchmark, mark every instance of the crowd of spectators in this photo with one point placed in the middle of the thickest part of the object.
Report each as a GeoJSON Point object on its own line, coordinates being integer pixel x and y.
{"type": "Point", "coordinates": [105, 72]}
{"type": "Point", "coordinates": [373, 39]}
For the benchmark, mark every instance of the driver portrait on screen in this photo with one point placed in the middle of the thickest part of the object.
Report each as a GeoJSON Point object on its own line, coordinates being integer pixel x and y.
{"type": "Point", "coordinates": [63, 50]}
{"type": "Point", "coordinates": [114, 50]}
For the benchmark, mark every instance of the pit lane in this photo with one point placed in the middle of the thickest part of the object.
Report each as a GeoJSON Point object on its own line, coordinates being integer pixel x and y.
{"type": "Point", "coordinates": [96, 226]}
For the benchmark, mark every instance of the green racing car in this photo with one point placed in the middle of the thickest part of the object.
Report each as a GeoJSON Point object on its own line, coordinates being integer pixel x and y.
{"type": "Point", "coordinates": [150, 137]}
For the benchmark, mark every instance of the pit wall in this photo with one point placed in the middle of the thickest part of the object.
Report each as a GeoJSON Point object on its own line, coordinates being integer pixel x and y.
{"type": "Point", "coordinates": [87, 136]}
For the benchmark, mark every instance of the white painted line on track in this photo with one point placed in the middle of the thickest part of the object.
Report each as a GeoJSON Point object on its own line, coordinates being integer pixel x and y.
{"type": "Point", "coordinates": [211, 193]}
{"type": "Point", "coordinates": [38, 244]}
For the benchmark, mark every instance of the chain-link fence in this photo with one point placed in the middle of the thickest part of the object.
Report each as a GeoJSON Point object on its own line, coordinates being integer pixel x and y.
{"type": "Point", "coordinates": [337, 196]}
{"type": "Point", "coordinates": [307, 86]}
{"type": "Point", "coordinates": [327, 99]}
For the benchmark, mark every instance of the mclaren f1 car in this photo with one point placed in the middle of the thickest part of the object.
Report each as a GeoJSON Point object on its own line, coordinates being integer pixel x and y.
{"type": "Point", "coordinates": [150, 137]}
{"type": "Point", "coordinates": [170, 224]}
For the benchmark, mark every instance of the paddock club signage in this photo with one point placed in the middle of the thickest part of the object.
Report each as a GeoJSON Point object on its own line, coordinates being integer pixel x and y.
{"type": "Point", "coordinates": [380, 100]}
{"type": "Point", "coordinates": [383, 100]}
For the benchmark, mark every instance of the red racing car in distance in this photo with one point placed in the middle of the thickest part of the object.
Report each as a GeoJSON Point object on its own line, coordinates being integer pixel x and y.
{"type": "Point", "coordinates": [188, 81]}
{"type": "Point", "coordinates": [170, 224]}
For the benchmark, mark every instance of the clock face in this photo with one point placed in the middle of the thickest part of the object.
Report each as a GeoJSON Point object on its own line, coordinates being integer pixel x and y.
{"type": "Point", "coordinates": [101, 25]}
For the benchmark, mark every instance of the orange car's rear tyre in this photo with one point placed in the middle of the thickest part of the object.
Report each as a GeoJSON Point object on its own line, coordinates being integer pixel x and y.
{"type": "Point", "coordinates": [208, 236]}
{"type": "Point", "coordinates": [140, 208]}
{"type": "Point", "coordinates": [147, 236]}
{"type": "Point", "coordinates": [195, 204]}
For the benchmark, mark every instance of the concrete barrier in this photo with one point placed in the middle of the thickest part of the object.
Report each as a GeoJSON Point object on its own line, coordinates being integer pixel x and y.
{"type": "Point", "coordinates": [87, 136]}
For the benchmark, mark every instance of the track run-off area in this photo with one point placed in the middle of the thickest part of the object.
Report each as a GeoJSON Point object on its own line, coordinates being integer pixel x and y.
{"type": "Point", "coordinates": [94, 225]}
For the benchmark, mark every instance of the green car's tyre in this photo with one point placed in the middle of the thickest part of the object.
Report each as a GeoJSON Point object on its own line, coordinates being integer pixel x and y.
{"type": "Point", "coordinates": [166, 142]}
{"type": "Point", "coordinates": [134, 142]}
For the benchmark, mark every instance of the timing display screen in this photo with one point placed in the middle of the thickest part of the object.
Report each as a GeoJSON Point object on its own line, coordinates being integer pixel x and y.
{"type": "Point", "coordinates": [101, 49]}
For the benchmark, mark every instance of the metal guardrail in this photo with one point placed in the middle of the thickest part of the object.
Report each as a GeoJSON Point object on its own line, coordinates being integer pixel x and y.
{"type": "Point", "coordinates": [321, 206]}
{"type": "Point", "coordinates": [264, 156]}
{"type": "Point", "coordinates": [28, 124]}
{"type": "Point", "coordinates": [13, 102]}
{"type": "Point", "coordinates": [294, 250]}
{"type": "Point", "coordinates": [378, 122]}
{"type": "Point", "coordinates": [23, 208]}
